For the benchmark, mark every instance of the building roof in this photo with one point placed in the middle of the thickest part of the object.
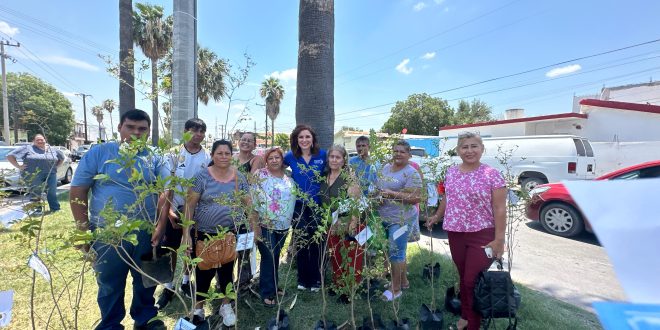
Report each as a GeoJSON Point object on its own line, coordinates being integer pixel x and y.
{"type": "Point", "coordinates": [641, 107]}
{"type": "Point", "coordinates": [518, 120]}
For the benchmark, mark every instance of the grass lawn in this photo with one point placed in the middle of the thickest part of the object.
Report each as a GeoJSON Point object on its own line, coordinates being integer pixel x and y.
{"type": "Point", "coordinates": [538, 310]}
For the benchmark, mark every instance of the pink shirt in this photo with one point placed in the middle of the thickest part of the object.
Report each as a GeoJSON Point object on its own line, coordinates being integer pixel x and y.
{"type": "Point", "coordinates": [469, 198]}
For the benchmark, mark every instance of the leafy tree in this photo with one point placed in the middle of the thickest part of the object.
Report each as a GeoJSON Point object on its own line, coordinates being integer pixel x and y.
{"type": "Point", "coordinates": [350, 128]}
{"type": "Point", "coordinates": [315, 104]}
{"type": "Point", "coordinates": [39, 107]}
{"type": "Point", "coordinates": [152, 32]}
{"type": "Point", "coordinates": [419, 114]}
{"type": "Point", "coordinates": [472, 112]}
{"type": "Point", "coordinates": [282, 141]}
{"type": "Point", "coordinates": [273, 92]}
{"type": "Point", "coordinates": [109, 105]}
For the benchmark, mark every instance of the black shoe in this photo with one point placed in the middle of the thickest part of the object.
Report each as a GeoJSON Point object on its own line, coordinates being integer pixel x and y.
{"type": "Point", "coordinates": [153, 325]}
{"type": "Point", "coordinates": [186, 289]}
{"type": "Point", "coordinates": [164, 299]}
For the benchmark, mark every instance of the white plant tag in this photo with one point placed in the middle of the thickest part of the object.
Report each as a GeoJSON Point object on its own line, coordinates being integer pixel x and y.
{"type": "Point", "coordinates": [6, 302]}
{"type": "Point", "coordinates": [400, 231]}
{"type": "Point", "coordinates": [183, 324]}
{"type": "Point", "coordinates": [38, 265]}
{"type": "Point", "coordinates": [244, 241]}
{"type": "Point", "coordinates": [363, 236]}
{"type": "Point", "coordinates": [335, 216]}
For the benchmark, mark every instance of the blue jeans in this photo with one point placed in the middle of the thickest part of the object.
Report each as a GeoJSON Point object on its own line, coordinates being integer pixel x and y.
{"type": "Point", "coordinates": [111, 272]}
{"type": "Point", "coordinates": [398, 246]}
{"type": "Point", "coordinates": [269, 247]}
{"type": "Point", "coordinates": [36, 186]}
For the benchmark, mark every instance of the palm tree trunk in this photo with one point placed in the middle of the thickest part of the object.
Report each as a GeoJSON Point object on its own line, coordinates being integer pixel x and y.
{"type": "Point", "coordinates": [272, 132]}
{"type": "Point", "coordinates": [112, 126]}
{"type": "Point", "coordinates": [154, 102]}
{"type": "Point", "coordinates": [126, 78]}
{"type": "Point", "coordinates": [315, 104]}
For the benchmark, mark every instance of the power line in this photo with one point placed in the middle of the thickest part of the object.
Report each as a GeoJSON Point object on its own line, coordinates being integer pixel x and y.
{"type": "Point", "coordinates": [517, 73]}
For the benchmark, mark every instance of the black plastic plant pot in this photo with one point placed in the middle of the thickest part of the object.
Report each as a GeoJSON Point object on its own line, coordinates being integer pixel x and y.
{"type": "Point", "coordinates": [329, 325]}
{"type": "Point", "coordinates": [431, 269]}
{"type": "Point", "coordinates": [453, 301]}
{"type": "Point", "coordinates": [281, 324]}
{"type": "Point", "coordinates": [403, 324]}
{"type": "Point", "coordinates": [429, 319]}
{"type": "Point", "coordinates": [157, 264]}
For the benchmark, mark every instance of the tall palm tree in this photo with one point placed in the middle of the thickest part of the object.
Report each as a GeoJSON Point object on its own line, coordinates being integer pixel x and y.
{"type": "Point", "coordinates": [315, 103]}
{"type": "Point", "coordinates": [273, 92]}
{"type": "Point", "coordinates": [153, 34]}
{"type": "Point", "coordinates": [97, 111]}
{"type": "Point", "coordinates": [109, 105]}
{"type": "Point", "coordinates": [126, 78]}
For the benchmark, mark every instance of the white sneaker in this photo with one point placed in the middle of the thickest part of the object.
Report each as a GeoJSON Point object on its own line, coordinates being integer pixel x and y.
{"type": "Point", "coordinates": [228, 316]}
{"type": "Point", "coordinates": [315, 289]}
{"type": "Point", "coordinates": [302, 287]}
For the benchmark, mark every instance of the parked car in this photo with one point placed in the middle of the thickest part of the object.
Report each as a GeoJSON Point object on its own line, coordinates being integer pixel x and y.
{"type": "Point", "coordinates": [78, 153]}
{"type": "Point", "coordinates": [10, 178]}
{"type": "Point", "coordinates": [553, 206]}
{"type": "Point", "coordinates": [538, 159]}
{"type": "Point", "coordinates": [65, 151]}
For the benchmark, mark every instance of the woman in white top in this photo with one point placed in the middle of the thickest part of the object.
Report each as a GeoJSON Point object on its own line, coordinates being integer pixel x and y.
{"type": "Point", "coordinates": [274, 200]}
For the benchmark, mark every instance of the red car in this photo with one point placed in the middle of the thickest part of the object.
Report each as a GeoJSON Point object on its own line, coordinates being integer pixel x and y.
{"type": "Point", "coordinates": [553, 206]}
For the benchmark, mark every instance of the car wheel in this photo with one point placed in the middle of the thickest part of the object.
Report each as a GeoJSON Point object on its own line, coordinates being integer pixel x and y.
{"type": "Point", "coordinates": [530, 183]}
{"type": "Point", "coordinates": [561, 219]}
{"type": "Point", "coordinates": [68, 176]}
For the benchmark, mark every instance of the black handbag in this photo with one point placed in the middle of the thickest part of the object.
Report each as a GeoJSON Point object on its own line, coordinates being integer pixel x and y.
{"type": "Point", "coordinates": [495, 296]}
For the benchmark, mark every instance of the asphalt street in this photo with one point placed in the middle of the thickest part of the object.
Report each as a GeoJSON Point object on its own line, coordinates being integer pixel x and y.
{"type": "Point", "coordinates": [576, 270]}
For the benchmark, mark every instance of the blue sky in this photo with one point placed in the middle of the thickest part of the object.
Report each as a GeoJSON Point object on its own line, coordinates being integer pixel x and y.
{"type": "Point", "coordinates": [384, 51]}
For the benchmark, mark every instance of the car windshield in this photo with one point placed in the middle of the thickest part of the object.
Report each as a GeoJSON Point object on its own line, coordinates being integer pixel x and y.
{"type": "Point", "coordinates": [4, 152]}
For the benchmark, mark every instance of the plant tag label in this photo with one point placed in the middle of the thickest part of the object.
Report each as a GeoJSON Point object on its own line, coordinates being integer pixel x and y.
{"type": "Point", "coordinates": [183, 324]}
{"type": "Point", "coordinates": [6, 302]}
{"type": "Point", "coordinates": [335, 216]}
{"type": "Point", "coordinates": [400, 231]}
{"type": "Point", "coordinates": [38, 265]}
{"type": "Point", "coordinates": [245, 241]}
{"type": "Point", "coordinates": [364, 235]}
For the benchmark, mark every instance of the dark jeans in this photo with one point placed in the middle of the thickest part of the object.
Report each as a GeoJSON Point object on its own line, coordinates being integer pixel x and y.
{"type": "Point", "coordinates": [470, 259]}
{"type": "Point", "coordinates": [36, 185]}
{"type": "Point", "coordinates": [111, 272]}
{"type": "Point", "coordinates": [269, 247]}
{"type": "Point", "coordinates": [309, 249]}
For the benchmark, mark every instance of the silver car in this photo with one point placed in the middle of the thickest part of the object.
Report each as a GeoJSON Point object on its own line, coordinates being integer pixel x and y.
{"type": "Point", "coordinates": [10, 178]}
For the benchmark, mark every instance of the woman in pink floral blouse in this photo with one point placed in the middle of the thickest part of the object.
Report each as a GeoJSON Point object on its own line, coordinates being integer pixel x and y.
{"type": "Point", "coordinates": [474, 212]}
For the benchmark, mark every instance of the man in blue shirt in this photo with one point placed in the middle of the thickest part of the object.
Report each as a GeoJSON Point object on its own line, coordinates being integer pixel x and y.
{"type": "Point", "coordinates": [117, 193]}
{"type": "Point", "coordinates": [366, 172]}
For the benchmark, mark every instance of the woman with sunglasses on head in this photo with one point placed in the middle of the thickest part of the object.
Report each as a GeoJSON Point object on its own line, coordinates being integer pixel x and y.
{"type": "Point", "coordinates": [474, 212]}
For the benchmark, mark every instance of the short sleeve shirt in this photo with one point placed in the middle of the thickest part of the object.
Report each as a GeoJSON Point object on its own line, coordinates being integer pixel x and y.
{"type": "Point", "coordinates": [186, 165]}
{"type": "Point", "coordinates": [274, 199]}
{"type": "Point", "coordinates": [117, 191]}
{"type": "Point", "coordinates": [469, 198]}
{"type": "Point", "coordinates": [393, 212]}
{"type": "Point", "coordinates": [217, 206]}
{"type": "Point", "coordinates": [37, 159]}
{"type": "Point", "coordinates": [307, 176]}
{"type": "Point", "coordinates": [367, 173]}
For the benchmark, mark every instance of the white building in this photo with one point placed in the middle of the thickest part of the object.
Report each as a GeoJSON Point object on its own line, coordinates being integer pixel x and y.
{"type": "Point", "coordinates": [621, 133]}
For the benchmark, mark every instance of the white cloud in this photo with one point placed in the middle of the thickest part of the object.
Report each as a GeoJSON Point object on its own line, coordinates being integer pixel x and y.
{"type": "Point", "coordinates": [428, 56]}
{"type": "Point", "coordinates": [563, 70]}
{"type": "Point", "coordinates": [403, 67]}
{"type": "Point", "coordinates": [286, 75]}
{"type": "Point", "coordinates": [419, 6]}
{"type": "Point", "coordinates": [7, 29]}
{"type": "Point", "coordinates": [72, 62]}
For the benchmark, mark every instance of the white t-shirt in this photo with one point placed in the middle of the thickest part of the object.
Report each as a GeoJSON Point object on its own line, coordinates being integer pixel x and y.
{"type": "Point", "coordinates": [187, 165]}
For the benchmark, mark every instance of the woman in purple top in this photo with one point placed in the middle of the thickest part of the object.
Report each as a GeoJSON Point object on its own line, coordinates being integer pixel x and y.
{"type": "Point", "coordinates": [474, 212]}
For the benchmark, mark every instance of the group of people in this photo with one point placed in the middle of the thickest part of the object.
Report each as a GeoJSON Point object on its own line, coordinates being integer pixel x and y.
{"type": "Point", "coordinates": [227, 192]}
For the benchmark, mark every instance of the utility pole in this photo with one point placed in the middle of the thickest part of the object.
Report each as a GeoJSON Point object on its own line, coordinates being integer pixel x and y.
{"type": "Point", "coordinates": [5, 103]}
{"type": "Point", "coordinates": [85, 114]}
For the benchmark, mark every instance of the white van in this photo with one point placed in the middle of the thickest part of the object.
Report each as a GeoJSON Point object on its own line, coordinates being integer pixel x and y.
{"type": "Point", "coordinates": [538, 159]}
